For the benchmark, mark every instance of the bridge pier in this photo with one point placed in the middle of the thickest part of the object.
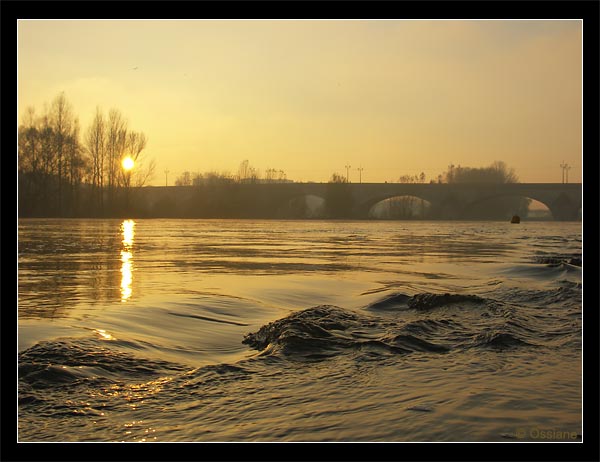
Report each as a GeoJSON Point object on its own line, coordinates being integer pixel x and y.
{"type": "Point", "coordinates": [565, 213]}
{"type": "Point", "coordinates": [563, 209]}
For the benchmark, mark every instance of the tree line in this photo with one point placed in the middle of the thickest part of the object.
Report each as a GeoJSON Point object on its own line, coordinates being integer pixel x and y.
{"type": "Point", "coordinates": [221, 195]}
{"type": "Point", "coordinates": [62, 173]}
{"type": "Point", "coordinates": [246, 174]}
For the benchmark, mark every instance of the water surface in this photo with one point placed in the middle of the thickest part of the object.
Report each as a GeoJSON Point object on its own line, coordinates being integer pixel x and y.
{"type": "Point", "coordinates": [250, 330]}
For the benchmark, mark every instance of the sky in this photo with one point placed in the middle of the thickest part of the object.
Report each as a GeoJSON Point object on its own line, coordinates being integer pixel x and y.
{"type": "Point", "coordinates": [393, 97]}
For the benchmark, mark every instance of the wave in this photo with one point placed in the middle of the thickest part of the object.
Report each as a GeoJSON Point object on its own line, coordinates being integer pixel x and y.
{"type": "Point", "coordinates": [428, 301]}
{"type": "Point", "coordinates": [397, 324]}
{"type": "Point", "coordinates": [425, 322]}
{"type": "Point", "coordinates": [559, 259]}
{"type": "Point", "coordinates": [499, 340]}
{"type": "Point", "coordinates": [327, 330]}
{"type": "Point", "coordinates": [52, 363]}
{"type": "Point", "coordinates": [423, 301]}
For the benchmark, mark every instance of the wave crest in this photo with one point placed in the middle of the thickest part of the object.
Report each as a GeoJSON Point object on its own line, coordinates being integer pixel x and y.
{"type": "Point", "coordinates": [327, 330]}
{"type": "Point", "coordinates": [51, 363]}
{"type": "Point", "coordinates": [428, 301]}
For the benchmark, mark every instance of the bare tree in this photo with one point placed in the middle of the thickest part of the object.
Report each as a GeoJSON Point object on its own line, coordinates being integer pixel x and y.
{"type": "Point", "coordinates": [144, 173]}
{"type": "Point", "coordinates": [247, 173]}
{"type": "Point", "coordinates": [270, 174]}
{"type": "Point", "coordinates": [244, 171]}
{"type": "Point", "coordinates": [61, 118]}
{"type": "Point", "coordinates": [136, 143]}
{"type": "Point", "coordinates": [53, 164]}
{"type": "Point", "coordinates": [337, 178]}
{"type": "Point", "coordinates": [29, 143]}
{"type": "Point", "coordinates": [30, 164]}
{"type": "Point", "coordinates": [116, 139]}
{"type": "Point", "coordinates": [75, 164]}
{"type": "Point", "coordinates": [185, 179]}
{"type": "Point", "coordinates": [95, 142]}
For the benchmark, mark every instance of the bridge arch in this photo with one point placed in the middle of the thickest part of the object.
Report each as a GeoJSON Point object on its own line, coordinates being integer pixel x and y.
{"type": "Point", "coordinates": [404, 207]}
{"type": "Point", "coordinates": [539, 211]}
{"type": "Point", "coordinates": [365, 207]}
{"type": "Point", "coordinates": [561, 208]}
{"type": "Point", "coordinates": [302, 205]}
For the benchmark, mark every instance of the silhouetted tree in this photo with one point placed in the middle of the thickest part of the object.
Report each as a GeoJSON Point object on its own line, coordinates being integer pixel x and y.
{"type": "Point", "coordinates": [337, 178]}
{"type": "Point", "coordinates": [95, 143]}
{"type": "Point", "coordinates": [185, 179]}
{"type": "Point", "coordinates": [62, 121]}
{"type": "Point", "coordinates": [55, 170]}
{"type": "Point", "coordinates": [136, 143]}
{"type": "Point", "coordinates": [31, 162]}
{"type": "Point", "coordinates": [75, 170]}
{"type": "Point", "coordinates": [406, 207]}
{"type": "Point", "coordinates": [497, 172]}
{"type": "Point", "coordinates": [247, 173]}
{"type": "Point", "coordinates": [51, 164]}
{"type": "Point", "coordinates": [494, 208]}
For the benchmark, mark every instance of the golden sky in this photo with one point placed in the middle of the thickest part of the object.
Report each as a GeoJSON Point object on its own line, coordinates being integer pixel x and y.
{"type": "Point", "coordinates": [310, 97]}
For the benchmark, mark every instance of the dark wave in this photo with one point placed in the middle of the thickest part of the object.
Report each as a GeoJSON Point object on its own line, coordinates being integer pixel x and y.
{"type": "Point", "coordinates": [423, 301]}
{"type": "Point", "coordinates": [326, 330]}
{"type": "Point", "coordinates": [400, 323]}
{"type": "Point", "coordinates": [392, 301]}
{"type": "Point", "coordinates": [52, 363]}
{"type": "Point", "coordinates": [499, 340]}
{"type": "Point", "coordinates": [560, 259]}
{"type": "Point", "coordinates": [427, 301]}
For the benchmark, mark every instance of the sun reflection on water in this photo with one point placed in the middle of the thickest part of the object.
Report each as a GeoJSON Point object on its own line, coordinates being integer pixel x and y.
{"type": "Point", "coordinates": [103, 334]}
{"type": "Point", "coordinates": [127, 228]}
{"type": "Point", "coordinates": [127, 259]}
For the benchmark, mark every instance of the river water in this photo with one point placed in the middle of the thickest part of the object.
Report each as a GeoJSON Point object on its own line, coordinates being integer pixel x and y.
{"type": "Point", "coordinates": [250, 330]}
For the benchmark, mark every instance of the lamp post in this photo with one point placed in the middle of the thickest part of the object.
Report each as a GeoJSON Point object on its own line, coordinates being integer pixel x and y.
{"type": "Point", "coordinates": [347, 173]}
{"type": "Point", "coordinates": [360, 169]}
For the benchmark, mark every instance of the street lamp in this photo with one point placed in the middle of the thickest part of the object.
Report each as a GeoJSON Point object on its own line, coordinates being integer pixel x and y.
{"type": "Point", "coordinates": [347, 173]}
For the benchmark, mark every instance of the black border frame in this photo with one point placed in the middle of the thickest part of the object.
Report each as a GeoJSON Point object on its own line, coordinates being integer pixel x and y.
{"type": "Point", "coordinates": [588, 10]}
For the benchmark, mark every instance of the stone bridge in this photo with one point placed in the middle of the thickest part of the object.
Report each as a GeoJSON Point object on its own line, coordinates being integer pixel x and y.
{"type": "Point", "coordinates": [447, 201]}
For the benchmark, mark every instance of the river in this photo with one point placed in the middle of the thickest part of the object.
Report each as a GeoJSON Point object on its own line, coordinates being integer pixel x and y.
{"type": "Point", "coordinates": [258, 330]}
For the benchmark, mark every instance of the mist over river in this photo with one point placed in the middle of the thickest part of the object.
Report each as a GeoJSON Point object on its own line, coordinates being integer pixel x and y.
{"type": "Point", "coordinates": [264, 330]}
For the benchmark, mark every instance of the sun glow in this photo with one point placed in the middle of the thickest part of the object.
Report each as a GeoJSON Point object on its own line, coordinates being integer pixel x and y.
{"type": "Point", "coordinates": [127, 163]}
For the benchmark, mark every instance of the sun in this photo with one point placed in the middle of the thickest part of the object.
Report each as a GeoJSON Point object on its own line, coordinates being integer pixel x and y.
{"type": "Point", "coordinates": [127, 163]}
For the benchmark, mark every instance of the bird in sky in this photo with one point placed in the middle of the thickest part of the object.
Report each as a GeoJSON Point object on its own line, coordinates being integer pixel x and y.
{"type": "Point", "coordinates": [135, 68]}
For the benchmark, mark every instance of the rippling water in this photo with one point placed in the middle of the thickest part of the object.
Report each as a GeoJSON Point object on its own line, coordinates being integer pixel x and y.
{"type": "Point", "coordinates": [225, 330]}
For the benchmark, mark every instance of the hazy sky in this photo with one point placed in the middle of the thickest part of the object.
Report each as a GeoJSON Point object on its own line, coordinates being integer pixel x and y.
{"type": "Point", "coordinates": [310, 97]}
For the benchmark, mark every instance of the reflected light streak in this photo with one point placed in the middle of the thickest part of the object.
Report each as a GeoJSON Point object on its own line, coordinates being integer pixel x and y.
{"type": "Point", "coordinates": [126, 275]}
{"type": "Point", "coordinates": [127, 228]}
{"type": "Point", "coordinates": [105, 335]}
{"type": "Point", "coordinates": [127, 260]}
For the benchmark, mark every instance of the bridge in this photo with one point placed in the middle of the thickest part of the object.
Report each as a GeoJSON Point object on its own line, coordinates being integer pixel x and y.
{"type": "Point", "coordinates": [353, 200]}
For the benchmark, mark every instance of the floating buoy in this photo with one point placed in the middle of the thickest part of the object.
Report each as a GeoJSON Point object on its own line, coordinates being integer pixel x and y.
{"type": "Point", "coordinates": [515, 219]}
